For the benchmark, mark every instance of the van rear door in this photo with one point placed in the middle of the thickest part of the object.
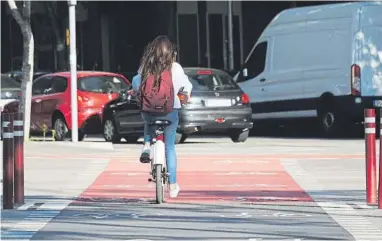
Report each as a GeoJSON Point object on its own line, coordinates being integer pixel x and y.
{"type": "Point", "coordinates": [370, 50]}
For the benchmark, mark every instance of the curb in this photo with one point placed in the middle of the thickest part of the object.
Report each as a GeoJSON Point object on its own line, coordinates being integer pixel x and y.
{"type": "Point", "coordinates": [88, 145]}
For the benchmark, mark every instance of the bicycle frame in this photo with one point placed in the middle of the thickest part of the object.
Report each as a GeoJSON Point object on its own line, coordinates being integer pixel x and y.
{"type": "Point", "coordinates": [158, 147]}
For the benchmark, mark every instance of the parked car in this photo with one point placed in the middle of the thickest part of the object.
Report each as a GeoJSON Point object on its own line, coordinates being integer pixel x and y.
{"type": "Point", "coordinates": [51, 101]}
{"type": "Point", "coordinates": [321, 62]}
{"type": "Point", "coordinates": [10, 91]}
{"type": "Point", "coordinates": [217, 105]}
{"type": "Point", "coordinates": [18, 74]}
{"type": "Point", "coordinates": [122, 118]}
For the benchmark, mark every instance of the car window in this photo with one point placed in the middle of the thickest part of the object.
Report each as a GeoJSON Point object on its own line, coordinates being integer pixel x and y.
{"type": "Point", "coordinates": [209, 80]}
{"type": "Point", "coordinates": [59, 84]}
{"type": "Point", "coordinates": [42, 85]}
{"type": "Point", "coordinates": [256, 63]}
{"type": "Point", "coordinates": [8, 82]}
{"type": "Point", "coordinates": [102, 84]}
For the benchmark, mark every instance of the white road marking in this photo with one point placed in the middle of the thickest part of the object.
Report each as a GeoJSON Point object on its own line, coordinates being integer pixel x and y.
{"type": "Point", "coordinates": [28, 227]}
{"type": "Point", "coordinates": [27, 205]}
{"type": "Point", "coordinates": [241, 161]}
{"type": "Point", "coordinates": [39, 218]}
{"type": "Point", "coordinates": [347, 217]}
{"type": "Point", "coordinates": [245, 173]}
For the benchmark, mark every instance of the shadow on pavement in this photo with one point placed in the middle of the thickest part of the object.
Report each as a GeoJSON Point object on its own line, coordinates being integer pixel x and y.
{"type": "Point", "coordinates": [111, 219]}
{"type": "Point", "coordinates": [119, 218]}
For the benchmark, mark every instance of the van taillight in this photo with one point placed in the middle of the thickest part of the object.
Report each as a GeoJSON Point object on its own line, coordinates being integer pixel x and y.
{"type": "Point", "coordinates": [244, 98]}
{"type": "Point", "coordinates": [355, 79]}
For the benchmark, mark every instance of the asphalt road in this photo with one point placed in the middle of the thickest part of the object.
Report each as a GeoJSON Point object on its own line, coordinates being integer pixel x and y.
{"type": "Point", "coordinates": [266, 188]}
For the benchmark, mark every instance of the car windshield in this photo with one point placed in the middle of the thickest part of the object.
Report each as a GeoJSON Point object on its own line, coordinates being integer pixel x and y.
{"type": "Point", "coordinates": [208, 80]}
{"type": "Point", "coordinates": [8, 82]}
{"type": "Point", "coordinates": [102, 84]}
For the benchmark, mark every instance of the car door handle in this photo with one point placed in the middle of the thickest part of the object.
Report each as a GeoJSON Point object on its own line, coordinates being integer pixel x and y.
{"type": "Point", "coordinates": [38, 101]}
{"type": "Point", "coordinates": [262, 80]}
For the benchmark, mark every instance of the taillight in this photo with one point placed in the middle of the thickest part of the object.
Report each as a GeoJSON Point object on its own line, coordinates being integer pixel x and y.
{"type": "Point", "coordinates": [204, 72]}
{"type": "Point", "coordinates": [244, 98]}
{"type": "Point", "coordinates": [82, 99]}
{"type": "Point", "coordinates": [181, 97]}
{"type": "Point", "coordinates": [355, 79]}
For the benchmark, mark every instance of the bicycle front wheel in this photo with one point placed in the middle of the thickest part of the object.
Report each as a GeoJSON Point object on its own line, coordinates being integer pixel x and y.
{"type": "Point", "coordinates": [159, 184]}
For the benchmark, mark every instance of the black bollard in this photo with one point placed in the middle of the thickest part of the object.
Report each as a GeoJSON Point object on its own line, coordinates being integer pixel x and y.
{"type": "Point", "coordinates": [8, 161]}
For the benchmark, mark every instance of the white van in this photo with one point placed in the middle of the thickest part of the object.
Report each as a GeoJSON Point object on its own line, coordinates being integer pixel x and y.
{"type": "Point", "coordinates": [317, 62]}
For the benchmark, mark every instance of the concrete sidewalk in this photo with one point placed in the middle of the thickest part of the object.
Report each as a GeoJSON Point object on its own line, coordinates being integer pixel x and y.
{"type": "Point", "coordinates": [54, 176]}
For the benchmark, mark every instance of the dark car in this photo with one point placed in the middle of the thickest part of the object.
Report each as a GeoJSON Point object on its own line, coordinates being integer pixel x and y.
{"type": "Point", "coordinates": [18, 74]}
{"type": "Point", "coordinates": [121, 118]}
{"type": "Point", "coordinates": [217, 105]}
{"type": "Point", "coordinates": [10, 91]}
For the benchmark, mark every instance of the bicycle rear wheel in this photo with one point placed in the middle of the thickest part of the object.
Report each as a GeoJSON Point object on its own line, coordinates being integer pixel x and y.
{"type": "Point", "coordinates": [159, 184]}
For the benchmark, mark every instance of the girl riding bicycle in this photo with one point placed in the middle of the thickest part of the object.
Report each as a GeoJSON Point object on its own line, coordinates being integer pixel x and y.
{"type": "Point", "coordinates": [160, 56]}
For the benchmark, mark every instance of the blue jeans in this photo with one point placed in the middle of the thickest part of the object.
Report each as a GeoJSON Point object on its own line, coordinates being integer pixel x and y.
{"type": "Point", "coordinates": [169, 138]}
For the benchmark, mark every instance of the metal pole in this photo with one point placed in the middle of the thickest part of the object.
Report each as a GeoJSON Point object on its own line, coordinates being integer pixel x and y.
{"type": "Point", "coordinates": [230, 36]}
{"type": "Point", "coordinates": [73, 68]}
{"type": "Point", "coordinates": [380, 162]}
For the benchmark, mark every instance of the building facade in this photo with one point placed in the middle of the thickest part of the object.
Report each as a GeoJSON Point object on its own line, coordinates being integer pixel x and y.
{"type": "Point", "coordinates": [111, 35]}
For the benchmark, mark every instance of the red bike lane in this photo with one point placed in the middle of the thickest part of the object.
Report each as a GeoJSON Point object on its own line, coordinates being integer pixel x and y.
{"type": "Point", "coordinates": [202, 179]}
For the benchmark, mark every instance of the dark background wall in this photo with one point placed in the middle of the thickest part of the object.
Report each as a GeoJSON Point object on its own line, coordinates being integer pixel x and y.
{"type": "Point", "coordinates": [131, 25]}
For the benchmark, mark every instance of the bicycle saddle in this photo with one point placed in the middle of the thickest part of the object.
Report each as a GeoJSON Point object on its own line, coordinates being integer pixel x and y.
{"type": "Point", "coordinates": [160, 122]}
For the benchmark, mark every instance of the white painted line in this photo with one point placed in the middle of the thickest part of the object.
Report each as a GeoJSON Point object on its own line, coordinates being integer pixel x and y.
{"type": "Point", "coordinates": [39, 218]}
{"type": "Point", "coordinates": [245, 173]}
{"type": "Point", "coordinates": [250, 185]}
{"type": "Point", "coordinates": [65, 158]}
{"type": "Point", "coordinates": [27, 205]}
{"type": "Point", "coordinates": [346, 216]}
{"type": "Point", "coordinates": [28, 227]}
{"type": "Point", "coordinates": [369, 130]}
{"type": "Point", "coordinates": [369, 119]}
{"type": "Point", "coordinates": [129, 173]}
{"type": "Point", "coordinates": [241, 162]}
{"type": "Point", "coordinates": [352, 223]}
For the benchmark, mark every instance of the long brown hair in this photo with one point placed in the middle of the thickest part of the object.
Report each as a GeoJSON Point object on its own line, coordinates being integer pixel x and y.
{"type": "Point", "coordinates": [158, 57]}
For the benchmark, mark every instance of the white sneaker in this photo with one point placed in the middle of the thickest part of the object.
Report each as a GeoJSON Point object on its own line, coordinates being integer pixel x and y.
{"type": "Point", "coordinates": [174, 190]}
{"type": "Point", "coordinates": [145, 155]}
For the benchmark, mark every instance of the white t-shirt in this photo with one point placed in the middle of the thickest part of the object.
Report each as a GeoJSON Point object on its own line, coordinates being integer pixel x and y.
{"type": "Point", "coordinates": [179, 80]}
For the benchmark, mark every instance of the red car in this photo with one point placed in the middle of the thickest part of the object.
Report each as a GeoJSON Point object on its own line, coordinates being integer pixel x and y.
{"type": "Point", "coordinates": [51, 101]}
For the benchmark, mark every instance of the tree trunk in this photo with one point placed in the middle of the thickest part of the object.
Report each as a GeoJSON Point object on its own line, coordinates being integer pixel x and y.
{"type": "Point", "coordinates": [23, 20]}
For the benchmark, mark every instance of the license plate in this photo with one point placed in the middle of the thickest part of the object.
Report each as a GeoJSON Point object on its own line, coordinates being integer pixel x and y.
{"type": "Point", "coordinates": [218, 103]}
{"type": "Point", "coordinates": [377, 103]}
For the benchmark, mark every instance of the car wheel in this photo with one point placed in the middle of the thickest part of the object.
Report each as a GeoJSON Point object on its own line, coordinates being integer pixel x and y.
{"type": "Point", "coordinates": [239, 135]}
{"type": "Point", "coordinates": [110, 132]}
{"type": "Point", "coordinates": [131, 139]}
{"type": "Point", "coordinates": [81, 135]}
{"type": "Point", "coordinates": [329, 122]}
{"type": "Point", "coordinates": [180, 138]}
{"type": "Point", "coordinates": [60, 128]}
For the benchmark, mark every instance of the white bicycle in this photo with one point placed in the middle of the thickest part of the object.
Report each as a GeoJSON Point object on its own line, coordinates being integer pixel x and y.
{"type": "Point", "coordinates": [159, 172]}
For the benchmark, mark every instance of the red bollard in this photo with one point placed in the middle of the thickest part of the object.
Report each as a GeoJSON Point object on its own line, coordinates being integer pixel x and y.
{"type": "Point", "coordinates": [380, 163]}
{"type": "Point", "coordinates": [371, 181]}
{"type": "Point", "coordinates": [8, 161]}
{"type": "Point", "coordinates": [18, 136]}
